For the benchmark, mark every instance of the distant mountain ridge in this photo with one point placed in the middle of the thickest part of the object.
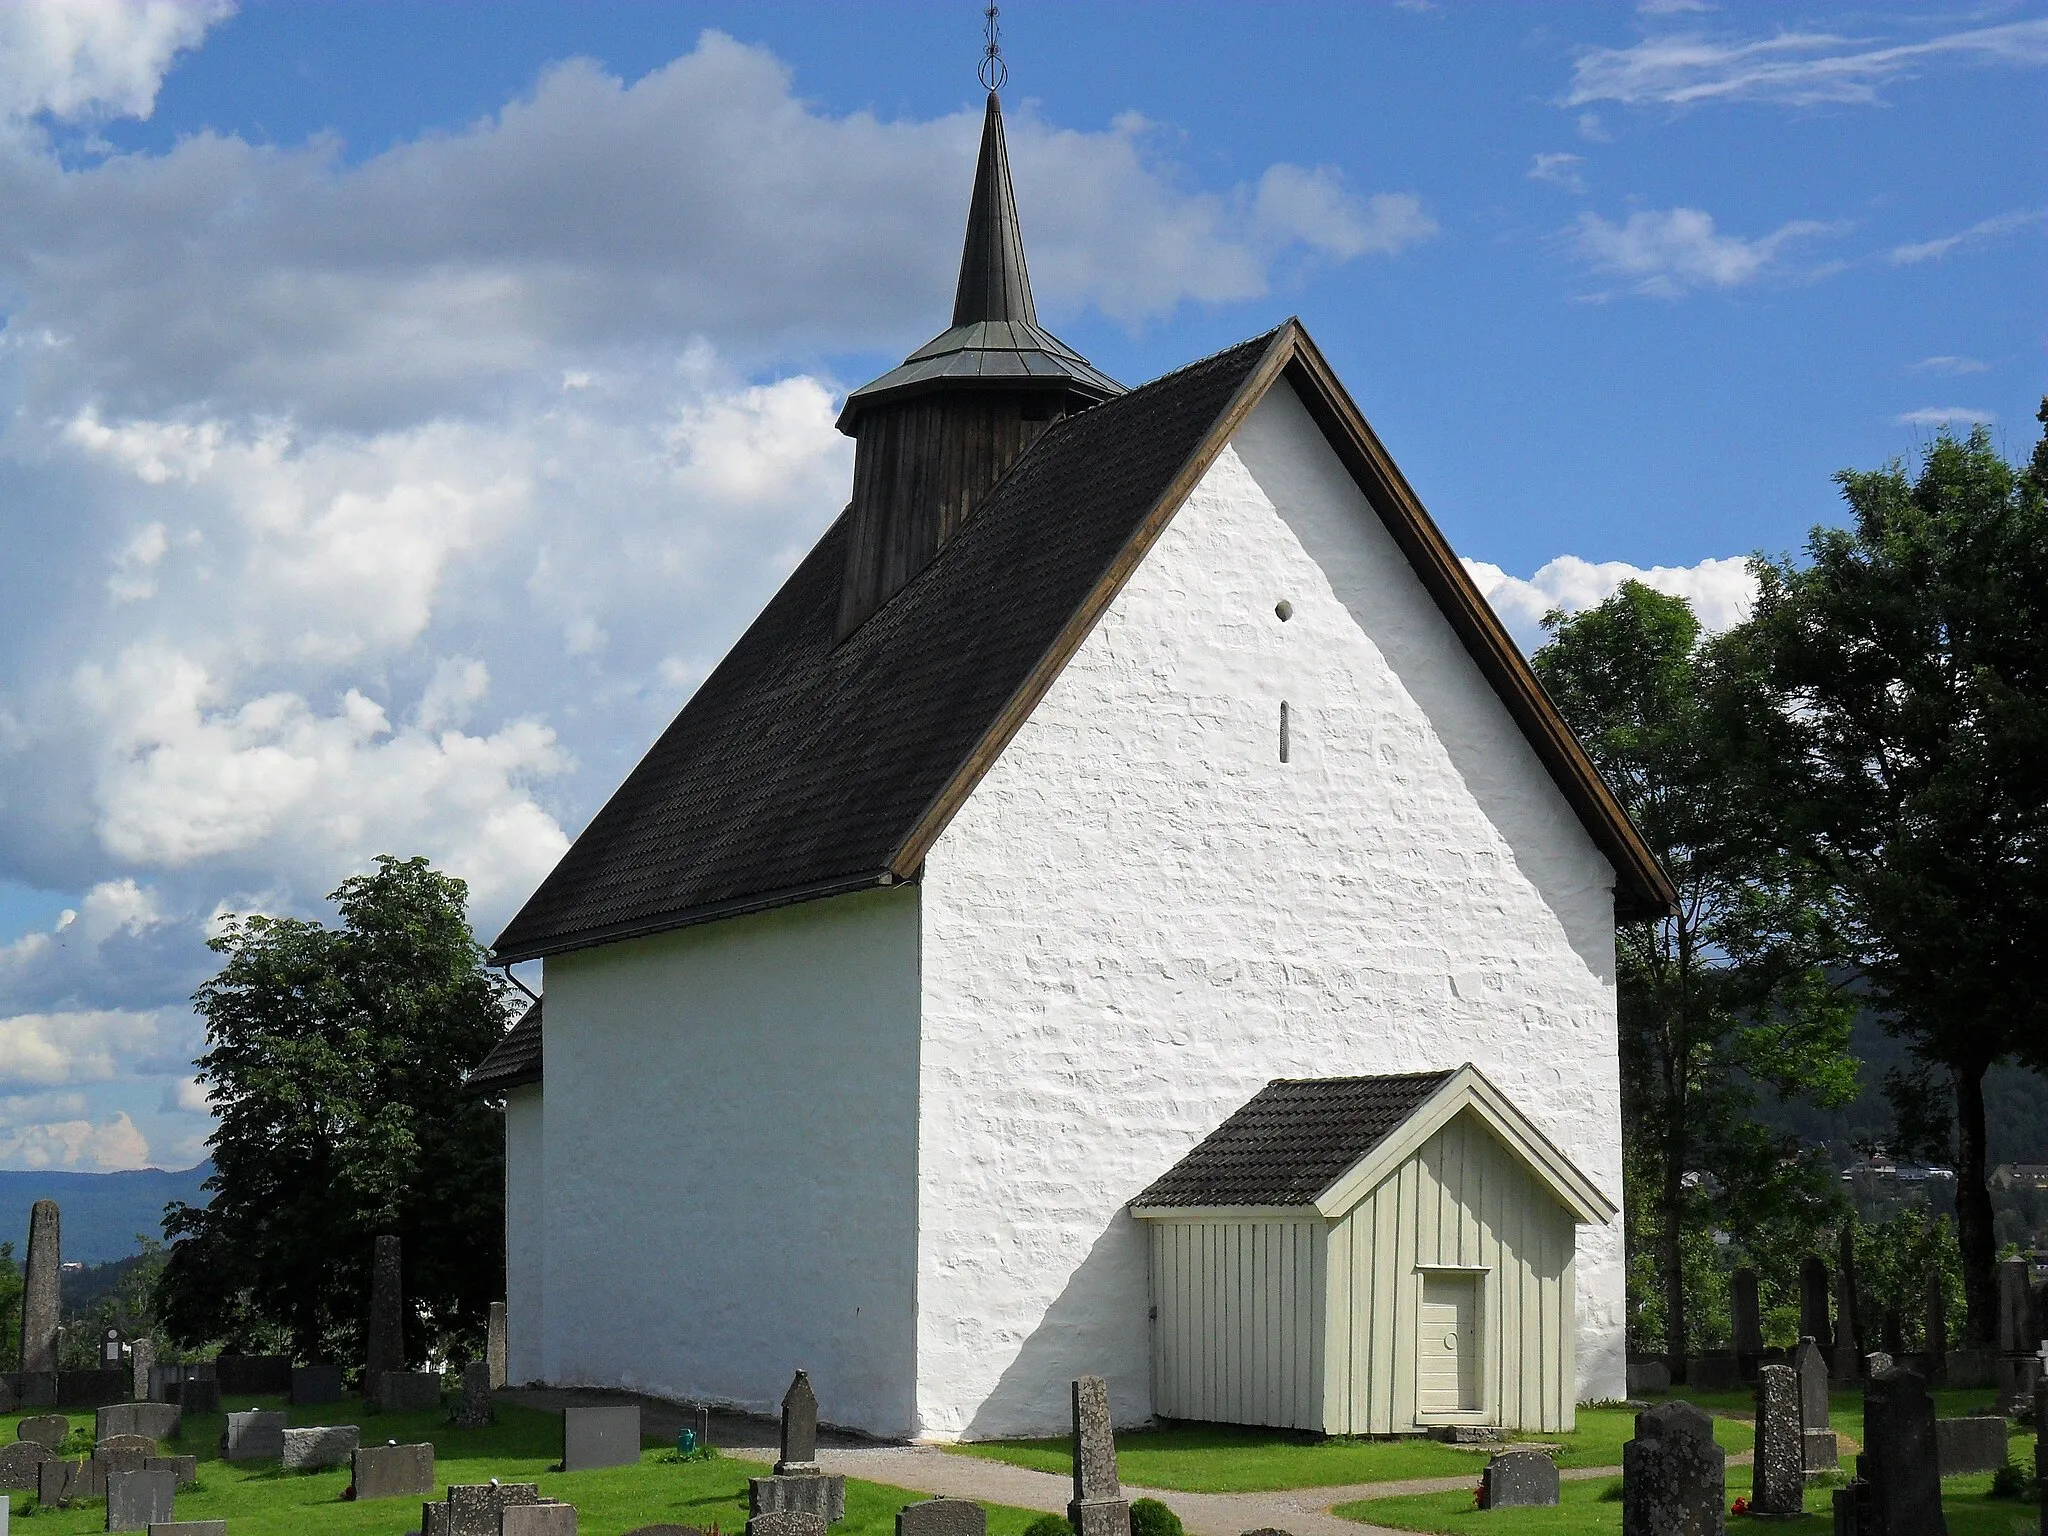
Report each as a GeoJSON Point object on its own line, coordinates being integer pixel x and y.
{"type": "Point", "coordinates": [101, 1212]}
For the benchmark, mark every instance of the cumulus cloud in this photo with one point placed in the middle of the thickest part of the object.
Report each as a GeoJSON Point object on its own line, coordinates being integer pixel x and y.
{"type": "Point", "coordinates": [1675, 251]}
{"type": "Point", "coordinates": [1943, 416]}
{"type": "Point", "coordinates": [1792, 68]}
{"type": "Point", "coordinates": [49, 1050]}
{"type": "Point", "coordinates": [113, 1144]}
{"type": "Point", "coordinates": [1560, 170]}
{"type": "Point", "coordinates": [94, 59]}
{"type": "Point", "coordinates": [1979, 233]}
{"type": "Point", "coordinates": [1721, 591]}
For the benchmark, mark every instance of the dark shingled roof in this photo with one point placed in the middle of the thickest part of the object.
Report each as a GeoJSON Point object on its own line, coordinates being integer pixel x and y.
{"type": "Point", "coordinates": [515, 1060]}
{"type": "Point", "coordinates": [1294, 1140]}
{"type": "Point", "coordinates": [800, 768]}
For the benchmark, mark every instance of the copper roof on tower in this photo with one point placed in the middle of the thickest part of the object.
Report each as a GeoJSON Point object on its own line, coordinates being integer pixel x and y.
{"type": "Point", "coordinates": [995, 339]}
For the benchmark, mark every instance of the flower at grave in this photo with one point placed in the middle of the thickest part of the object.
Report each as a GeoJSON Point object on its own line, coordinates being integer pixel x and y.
{"type": "Point", "coordinates": [1739, 1507]}
{"type": "Point", "coordinates": [1479, 1494]}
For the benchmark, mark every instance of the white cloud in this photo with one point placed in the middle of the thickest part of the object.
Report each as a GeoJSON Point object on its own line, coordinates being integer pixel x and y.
{"type": "Point", "coordinates": [1672, 7]}
{"type": "Point", "coordinates": [1592, 130]}
{"type": "Point", "coordinates": [1721, 591]}
{"type": "Point", "coordinates": [1791, 68]}
{"type": "Point", "coordinates": [187, 1096]}
{"type": "Point", "coordinates": [113, 1144]}
{"type": "Point", "coordinates": [1943, 416]}
{"type": "Point", "coordinates": [49, 1050]}
{"type": "Point", "coordinates": [1560, 170]}
{"type": "Point", "coordinates": [1951, 365]}
{"type": "Point", "coordinates": [90, 59]}
{"type": "Point", "coordinates": [1977, 234]}
{"type": "Point", "coordinates": [1677, 250]}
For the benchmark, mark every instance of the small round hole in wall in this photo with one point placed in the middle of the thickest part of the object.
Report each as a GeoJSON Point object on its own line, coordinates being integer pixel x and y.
{"type": "Point", "coordinates": [1284, 609]}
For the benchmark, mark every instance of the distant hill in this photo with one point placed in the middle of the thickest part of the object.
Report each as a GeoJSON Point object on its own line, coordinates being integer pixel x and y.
{"type": "Point", "coordinates": [102, 1212]}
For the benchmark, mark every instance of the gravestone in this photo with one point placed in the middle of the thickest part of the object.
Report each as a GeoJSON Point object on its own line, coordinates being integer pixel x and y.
{"type": "Point", "coordinates": [1845, 1364]}
{"type": "Point", "coordinates": [475, 1509]}
{"type": "Point", "coordinates": [2041, 1446]}
{"type": "Point", "coordinates": [1813, 1298]}
{"type": "Point", "coordinates": [1518, 1480]}
{"type": "Point", "coordinates": [188, 1528]}
{"type": "Point", "coordinates": [8, 1401]}
{"type": "Point", "coordinates": [819, 1493]}
{"type": "Point", "coordinates": [41, 1290]}
{"type": "Point", "coordinates": [159, 1421]}
{"type": "Point", "coordinates": [113, 1356]}
{"type": "Point", "coordinates": [799, 1428]}
{"type": "Point", "coordinates": [199, 1394]}
{"type": "Point", "coordinates": [392, 1471]}
{"type": "Point", "coordinates": [1848, 1298]}
{"type": "Point", "coordinates": [495, 1346]}
{"type": "Point", "coordinates": [184, 1468]}
{"type": "Point", "coordinates": [44, 1428]}
{"type": "Point", "coordinates": [1818, 1434]}
{"type": "Point", "coordinates": [786, 1522]}
{"type": "Point", "coordinates": [125, 1453]}
{"type": "Point", "coordinates": [1937, 1328]}
{"type": "Point", "coordinates": [1648, 1378]}
{"type": "Point", "coordinates": [18, 1463]}
{"type": "Point", "coordinates": [405, 1392]}
{"type": "Point", "coordinates": [546, 1518]}
{"type": "Point", "coordinates": [136, 1500]}
{"type": "Point", "coordinates": [315, 1449]}
{"type": "Point", "coordinates": [35, 1389]}
{"type": "Point", "coordinates": [475, 1410]}
{"type": "Point", "coordinates": [141, 1356]}
{"type": "Point", "coordinates": [1894, 1333]}
{"type": "Point", "coordinates": [1674, 1478]}
{"type": "Point", "coordinates": [257, 1435]}
{"type": "Point", "coordinates": [2017, 1368]}
{"type": "Point", "coordinates": [600, 1437]}
{"type": "Point", "coordinates": [1098, 1507]}
{"type": "Point", "coordinates": [59, 1481]}
{"type": "Point", "coordinates": [1714, 1373]}
{"type": "Point", "coordinates": [254, 1375]}
{"type": "Point", "coordinates": [1897, 1491]}
{"type": "Point", "coordinates": [1778, 1469]}
{"type": "Point", "coordinates": [1746, 1313]}
{"type": "Point", "coordinates": [942, 1517]}
{"type": "Point", "coordinates": [316, 1384]}
{"type": "Point", "coordinates": [1969, 1445]}
{"type": "Point", "coordinates": [385, 1350]}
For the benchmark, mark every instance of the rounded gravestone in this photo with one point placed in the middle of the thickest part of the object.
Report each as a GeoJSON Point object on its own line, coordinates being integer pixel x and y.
{"type": "Point", "coordinates": [44, 1428]}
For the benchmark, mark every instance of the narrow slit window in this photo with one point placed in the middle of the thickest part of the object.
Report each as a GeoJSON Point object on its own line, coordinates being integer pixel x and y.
{"type": "Point", "coordinates": [1283, 730]}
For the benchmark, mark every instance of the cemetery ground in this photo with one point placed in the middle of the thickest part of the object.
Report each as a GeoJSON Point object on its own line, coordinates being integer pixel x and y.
{"type": "Point", "coordinates": [259, 1499]}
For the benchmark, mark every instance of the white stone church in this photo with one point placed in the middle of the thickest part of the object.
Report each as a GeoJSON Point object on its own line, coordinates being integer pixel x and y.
{"type": "Point", "coordinates": [1124, 907]}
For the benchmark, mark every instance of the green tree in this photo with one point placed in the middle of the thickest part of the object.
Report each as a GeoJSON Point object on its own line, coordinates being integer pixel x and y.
{"type": "Point", "coordinates": [1909, 656]}
{"type": "Point", "coordinates": [335, 1063]}
{"type": "Point", "coordinates": [1730, 992]}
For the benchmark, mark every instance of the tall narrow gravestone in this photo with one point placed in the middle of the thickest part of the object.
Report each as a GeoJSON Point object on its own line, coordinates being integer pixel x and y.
{"type": "Point", "coordinates": [2018, 1369]}
{"type": "Point", "coordinates": [495, 1346]}
{"type": "Point", "coordinates": [798, 1486]}
{"type": "Point", "coordinates": [141, 1356]}
{"type": "Point", "coordinates": [1747, 1316]}
{"type": "Point", "coordinates": [41, 1295]}
{"type": "Point", "coordinates": [386, 1345]}
{"type": "Point", "coordinates": [1818, 1434]}
{"type": "Point", "coordinates": [799, 1428]}
{"type": "Point", "coordinates": [1674, 1478]}
{"type": "Point", "coordinates": [2041, 1446]}
{"type": "Point", "coordinates": [1897, 1491]}
{"type": "Point", "coordinates": [1848, 1360]}
{"type": "Point", "coordinates": [1778, 1473]}
{"type": "Point", "coordinates": [1099, 1507]}
{"type": "Point", "coordinates": [1813, 1299]}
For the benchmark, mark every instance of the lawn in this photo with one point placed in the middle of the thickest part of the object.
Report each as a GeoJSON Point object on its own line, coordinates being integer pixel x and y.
{"type": "Point", "coordinates": [1219, 1458]}
{"type": "Point", "coordinates": [262, 1500]}
{"type": "Point", "coordinates": [1595, 1506]}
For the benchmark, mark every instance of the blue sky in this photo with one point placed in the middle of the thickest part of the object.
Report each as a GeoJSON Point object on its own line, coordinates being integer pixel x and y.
{"type": "Point", "coordinates": [402, 407]}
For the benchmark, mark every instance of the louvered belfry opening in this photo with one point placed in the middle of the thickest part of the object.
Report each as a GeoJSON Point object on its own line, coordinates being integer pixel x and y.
{"type": "Point", "coordinates": [934, 435]}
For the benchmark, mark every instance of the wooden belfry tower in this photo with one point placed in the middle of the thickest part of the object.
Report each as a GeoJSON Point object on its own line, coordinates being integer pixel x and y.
{"type": "Point", "coordinates": [936, 433]}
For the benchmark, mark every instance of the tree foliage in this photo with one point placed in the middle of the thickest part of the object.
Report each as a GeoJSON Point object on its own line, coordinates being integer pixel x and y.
{"type": "Point", "coordinates": [1729, 995]}
{"type": "Point", "coordinates": [1909, 659]}
{"type": "Point", "coordinates": [335, 1064]}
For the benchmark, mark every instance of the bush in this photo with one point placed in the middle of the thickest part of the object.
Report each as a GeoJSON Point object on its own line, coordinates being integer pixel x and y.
{"type": "Point", "coordinates": [2013, 1481]}
{"type": "Point", "coordinates": [1149, 1517]}
{"type": "Point", "coordinates": [1049, 1525]}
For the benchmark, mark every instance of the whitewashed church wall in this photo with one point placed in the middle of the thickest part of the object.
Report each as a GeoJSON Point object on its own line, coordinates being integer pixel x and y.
{"type": "Point", "coordinates": [524, 1234]}
{"type": "Point", "coordinates": [731, 1160]}
{"type": "Point", "coordinates": [1142, 915]}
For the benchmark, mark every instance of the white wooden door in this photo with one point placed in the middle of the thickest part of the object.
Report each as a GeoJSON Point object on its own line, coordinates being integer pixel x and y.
{"type": "Point", "coordinates": [1447, 1365]}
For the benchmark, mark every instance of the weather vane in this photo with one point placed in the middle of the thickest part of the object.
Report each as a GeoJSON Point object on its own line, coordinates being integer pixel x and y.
{"type": "Point", "coordinates": [994, 73]}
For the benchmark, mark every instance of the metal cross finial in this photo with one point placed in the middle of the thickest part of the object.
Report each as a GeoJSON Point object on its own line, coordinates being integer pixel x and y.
{"type": "Point", "coordinates": [993, 72]}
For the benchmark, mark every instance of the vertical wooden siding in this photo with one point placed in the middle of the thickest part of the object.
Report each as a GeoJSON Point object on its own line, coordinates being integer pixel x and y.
{"type": "Point", "coordinates": [1463, 1201]}
{"type": "Point", "coordinates": [1239, 1335]}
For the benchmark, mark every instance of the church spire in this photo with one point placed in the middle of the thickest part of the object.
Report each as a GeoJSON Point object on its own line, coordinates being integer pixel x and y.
{"type": "Point", "coordinates": [994, 284]}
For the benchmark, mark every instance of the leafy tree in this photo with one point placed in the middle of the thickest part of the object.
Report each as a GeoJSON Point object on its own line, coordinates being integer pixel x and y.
{"type": "Point", "coordinates": [1910, 659]}
{"type": "Point", "coordinates": [335, 1062]}
{"type": "Point", "coordinates": [1731, 991]}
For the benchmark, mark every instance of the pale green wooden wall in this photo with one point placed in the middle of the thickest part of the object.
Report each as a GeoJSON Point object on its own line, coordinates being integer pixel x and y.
{"type": "Point", "coordinates": [1239, 1335]}
{"type": "Point", "coordinates": [1464, 1200]}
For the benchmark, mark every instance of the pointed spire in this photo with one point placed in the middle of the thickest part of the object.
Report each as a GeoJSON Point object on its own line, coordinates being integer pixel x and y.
{"type": "Point", "coordinates": [994, 284]}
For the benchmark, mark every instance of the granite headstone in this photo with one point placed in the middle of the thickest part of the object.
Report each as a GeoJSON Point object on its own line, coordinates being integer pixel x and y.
{"type": "Point", "coordinates": [137, 1500]}
{"type": "Point", "coordinates": [1970, 1445]}
{"type": "Point", "coordinates": [1098, 1507]}
{"type": "Point", "coordinates": [199, 1394]}
{"type": "Point", "coordinates": [44, 1428]}
{"type": "Point", "coordinates": [18, 1463]}
{"type": "Point", "coordinates": [495, 1345]}
{"type": "Point", "coordinates": [184, 1468]}
{"type": "Point", "coordinates": [257, 1435]}
{"type": "Point", "coordinates": [392, 1471]}
{"type": "Point", "coordinates": [125, 1453]}
{"type": "Point", "coordinates": [405, 1391]}
{"type": "Point", "coordinates": [942, 1517]}
{"type": "Point", "coordinates": [42, 1289]}
{"type": "Point", "coordinates": [1813, 1298]}
{"type": "Point", "coordinates": [320, 1447]}
{"type": "Point", "coordinates": [1778, 1470]}
{"type": "Point", "coordinates": [475, 1410]}
{"type": "Point", "coordinates": [317, 1383]}
{"type": "Point", "coordinates": [1746, 1314]}
{"type": "Point", "coordinates": [1518, 1480]}
{"type": "Point", "coordinates": [547, 1518]}
{"type": "Point", "coordinates": [475, 1509]}
{"type": "Point", "coordinates": [188, 1528]}
{"type": "Point", "coordinates": [1845, 1364]}
{"type": "Point", "coordinates": [141, 1356]}
{"type": "Point", "coordinates": [385, 1349]}
{"type": "Point", "coordinates": [1674, 1478]}
{"type": "Point", "coordinates": [799, 1428]}
{"type": "Point", "coordinates": [786, 1522]}
{"type": "Point", "coordinates": [818, 1493]}
{"type": "Point", "coordinates": [1899, 1471]}
{"type": "Point", "coordinates": [607, 1436]}
{"type": "Point", "coordinates": [1821, 1449]}
{"type": "Point", "coordinates": [159, 1421]}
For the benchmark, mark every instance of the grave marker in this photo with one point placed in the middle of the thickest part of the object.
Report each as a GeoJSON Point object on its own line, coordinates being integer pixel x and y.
{"type": "Point", "coordinates": [44, 1428]}
{"type": "Point", "coordinates": [476, 1411]}
{"type": "Point", "coordinates": [1098, 1507]}
{"type": "Point", "coordinates": [316, 1384]}
{"type": "Point", "coordinates": [184, 1468]}
{"type": "Point", "coordinates": [141, 1356]}
{"type": "Point", "coordinates": [392, 1471]}
{"type": "Point", "coordinates": [1778, 1469]}
{"type": "Point", "coordinates": [159, 1421]}
{"type": "Point", "coordinates": [1844, 1367]}
{"type": "Point", "coordinates": [1518, 1480]}
{"type": "Point", "coordinates": [799, 1428]}
{"type": "Point", "coordinates": [1897, 1491]}
{"type": "Point", "coordinates": [136, 1500]}
{"type": "Point", "coordinates": [326, 1445]}
{"type": "Point", "coordinates": [385, 1349]}
{"type": "Point", "coordinates": [41, 1292]}
{"type": "Point", "coordinates": [606, 1436]}
{"type": "Point", "coordinates": [942, 1517]}
{"type": "Point", "coordinates": [1746, 1313]}
{"type": "Point", "coordinates": [546, 1518]}
{"type": "Point", "coordinates": [495, 1346]}
{"type": "Point", "coordinates": [1821, 1449]}
{"type": "Point", "coordinates": [786, 1522]}
{"type": "Point", "coordinates": [1674, 1478]}
{"type": "Point", "coordinates": [188, 1528]}
{"type": "Point", "coordinates": [18, 1464]}
{"type": "Point", "coordinates": [1813, 1298]}
{"type": "Point", "coordinates": [1969, 1445]}
{"type": "Point", "coordinates": [257, 1435]}
{"type": "Point", "coordinates": [477, 1509]}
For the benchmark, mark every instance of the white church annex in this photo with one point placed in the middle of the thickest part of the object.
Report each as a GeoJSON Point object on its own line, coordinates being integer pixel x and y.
{"type": "Point", "coordinates": [1112, 755]}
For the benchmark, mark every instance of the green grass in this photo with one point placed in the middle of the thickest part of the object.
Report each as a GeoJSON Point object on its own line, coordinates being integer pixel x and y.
{"type": "Point", "coordinates": [263, 1500]}
{"type": "Point", "coordinates": [1217, 1458]}
{"type": "Point", "coordinates": [1582, 1511]}
{"type": "Point", "coordinates": [1845, 1405]}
